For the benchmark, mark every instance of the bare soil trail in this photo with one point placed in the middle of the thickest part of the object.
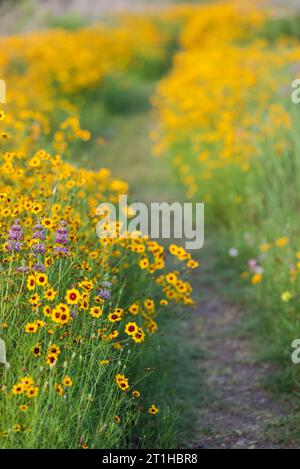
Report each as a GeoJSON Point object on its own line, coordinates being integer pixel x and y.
{"type": "Point", "coordinates": [24, 16]}
{"type": "Point", "coordinates": [239, 412]}
{"type": "Point", "coordinates": [100, 7]}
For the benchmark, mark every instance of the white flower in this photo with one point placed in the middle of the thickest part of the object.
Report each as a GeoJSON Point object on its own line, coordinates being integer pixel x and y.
{"type": "Point", "coordinates": [233, 252]}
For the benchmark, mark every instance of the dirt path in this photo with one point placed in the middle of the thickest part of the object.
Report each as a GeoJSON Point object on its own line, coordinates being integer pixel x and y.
{"type": "Point", "coordinates": [99, 7]}
{"type": "Point", "coordinates": [239, 410]}
{"type": "Point", "coordinates": [26, 16]}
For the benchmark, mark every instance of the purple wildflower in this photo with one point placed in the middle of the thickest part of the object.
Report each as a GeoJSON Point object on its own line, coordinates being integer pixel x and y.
{"type": "Point", "coordinates": [104, 294]}
{"type": "Point", "coordinates": [61, 250]}
{"type": "Point", "coordinates": [39, 235]}
{"type": "Point", "coordinates": [61, 238]}
{"type": "Point", "coordinates": [39, 232]}
{"type": "Point", "coordinates": [39, 248]}
{"type": "Point", "coordinates": [15, 236]}
{"type": "Point", "coordinates": [106, 284]}
{"type": "Point", "coordinates": [39, 267]}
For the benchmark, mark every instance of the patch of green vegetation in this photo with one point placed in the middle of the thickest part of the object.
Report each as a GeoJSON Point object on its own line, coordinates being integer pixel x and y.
{"type": "Point", "coordinates": [275, 28]}
{"type": "Point", "coordinates": [123, 94]}
{"type": "Point", "coordinates": [285, 430]}
{"type": "Point", "coordinates": [68, 21]}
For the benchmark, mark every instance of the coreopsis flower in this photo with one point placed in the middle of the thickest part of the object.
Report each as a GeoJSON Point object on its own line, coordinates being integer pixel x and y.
{"type": "Point", "coordinates": [50, 294]}
{"type": "Point", "coordinates": [286, 296]}
{"type": "Point", "coordinates": [138, 336]}
{"type": "Point", "coordinates": [41, 280]}
{"type": "Point", "coordinates": [87, 285]}
{"type": "Point", "coordinates": [192, 264]}
{"type": "Point", "coordinates": [171, 278]}
{"type": "Point", "coordinates": [72, 296]}
{"type": "Point", "coordinates": [23, 407]}
{"type": "Point", "coordinates": [149, 304]}
{"type": "Point", "coordinates": [96, 312]}
{"type": "Point", "coordinates": [54, 349]}
{"type": "Point", "coordinates": [264, 247]}
{"type": "Point", "coordinates": [27, 381]}
{"type": "Point", "coordinates": [173, 249]}
{"type": "Point", "coordinates": [47, 223]}
{"type": "Point", "coordinates": [256, 279]}
{"type": "Point", "coordinates": [31, 282]}
{"type": "Point", "coordinates": [281, 242]}
{"type": "Point", "coordinates": [32, 391]}
{"type": "Point", "coordinates": [18, 388]}
{"type": "Point", "coordinates": [61, 314]}
{"type": "Point", "coordinates": [59, 389]}
{"type": "Point", "coordinates": [113, 335]}
{"type": "Point", "coordinates": [67, 381]}
{"type": "Point", "coordinates": [17, 428]}
{"type": "Point", "coordinates": [31, 327]}
{"type": "Point", "coordinates": [114, 317]}
{"type": "Point", "coordinates": [153, 409]}
{"type": "Point", "coordinates": [122, 382]}
{"type": "Point", "coordinates": [37, 351]}
{"type": "Point", "coordinates": [51, 359]}
{"type": "Point", "coordinates": [131, 328]}
{"type": "Point", "coordinates": [144, 263]}
{"type": "Point", "coordinates": [104, 362]}
{"type": "Point", "coordinates": [133, 309]}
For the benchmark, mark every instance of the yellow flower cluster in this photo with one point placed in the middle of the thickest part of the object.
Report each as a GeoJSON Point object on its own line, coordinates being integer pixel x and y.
{"type": "Point", "coordinates": [220, 102]}
{"type": "Point", "coordinates": [68, 298]}
{"type": "Point", "coordinates": [44, 71]}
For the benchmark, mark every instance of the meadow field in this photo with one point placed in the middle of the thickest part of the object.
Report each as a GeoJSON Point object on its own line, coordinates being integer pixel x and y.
{"type": "Point", "coordinates": [126, 341]}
